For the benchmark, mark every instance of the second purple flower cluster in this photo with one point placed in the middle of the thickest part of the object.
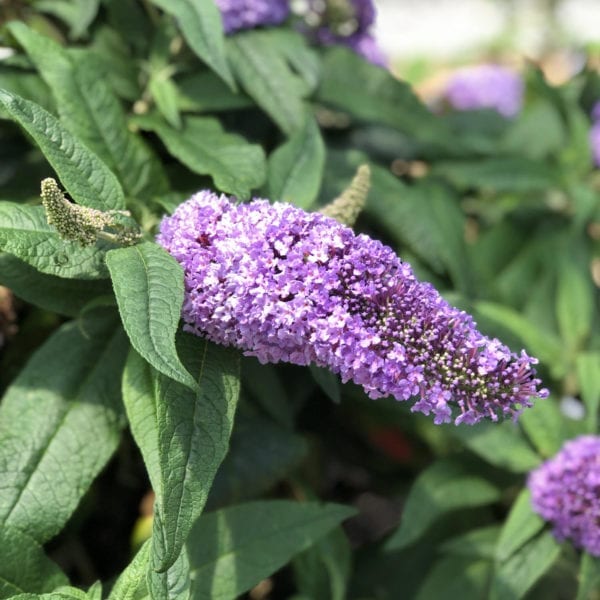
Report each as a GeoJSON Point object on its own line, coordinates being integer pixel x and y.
{"type": "Point", "coordinates": [286, 285]}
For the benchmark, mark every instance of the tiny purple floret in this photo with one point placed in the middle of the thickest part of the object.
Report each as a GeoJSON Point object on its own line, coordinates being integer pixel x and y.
{"type": "Point", "coordinates": [248, 14]}
{"type": "Point", "coordinates": [282, 284]}
{"type": "Point", "coordinates": [486, 86]}
{"type": "Point", "coordinates": [565, 492]}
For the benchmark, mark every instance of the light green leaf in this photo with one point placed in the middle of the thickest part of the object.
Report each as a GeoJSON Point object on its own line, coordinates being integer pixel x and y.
{"type": "Point", "coordinates": [164, 94]}
{"type": "Point", "coordinates": [233, 549]}
{"type": "Point", "coordinates": [84, 176]}
{"type": "Point", "coordinates": [90, 110]}
{"type": "Point", "coordinates": [265, 75]}
{"type": "Point", "coordinates": [201, 25]}
{"type": "Point", "coordinates": [148, 284]}
{"type": "Point", "coordinates": [235, 165]}
{"type": "Point", "coordinates": [588, 374]}
{"type": "Point", "coordinates": [60, 422]}
{"type": "Point", "coordinates": [296, 167]}
{"type": "Point", "coordinates": [77, 14]}
{"type": "Point", "coordinates": [173, 584]}
{"type": "Point", "coordinates": [131, 584]}
{"type": "Point", "coordinates": [24, 567]}
{"type": "Point", "coordinates": [520, 526]}
{"type": "Point", "coordinates": [513, 579]}
{"type": "Point", "coordinates": [63, 296]}
{"type": "Point", "coordinates": [589, 577]}
{"type": "Point", "coordinates": [193, 439]}
{"type": "Point", "coordinates": [25, 233]}
{"type": "Point", "coordinates": [500, 444]}
{"type": "Point", "coordinates": [443, 487]}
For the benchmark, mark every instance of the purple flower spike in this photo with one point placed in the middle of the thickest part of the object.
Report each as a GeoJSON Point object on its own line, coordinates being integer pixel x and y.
{"type": "Point", "coordinates": [595, 142]}
{"type": "Point", "coordinates": [248, 14]}
{"type": "Point", "coordinates": [564, 491]}
{"type": "Point", "coordinates": [286, 285]}
{"type": "Point", "coordinates": [486, 86]}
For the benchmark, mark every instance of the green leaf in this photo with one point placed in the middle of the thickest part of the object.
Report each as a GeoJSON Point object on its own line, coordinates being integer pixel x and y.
{"type": "Point", "coordinates": [328, 382]}
{"type": "Point", "coordinates": [477, 543]}
{"type": "Point", "coordinates": [77, 14]}
{"type": "Point", "coordinates": [266, 76]}
{"type": "Point", "coordinates": [204, 92]}
{"type": "Point", "coordinates": [131, 584]}
{"type": "Point", "coordinates": [63, 296]}
{"type": "Point", "coordinates": [81, 172]}
{"type": "Point", "coordinates": [173, 584]}
{"type": "Point", "coordinates": [233, 549]}
{"type": "Point", "coordinates": [193, 439]}
{"type": "Point", "coordinates": [235, 165]}
{"type": "Point", "coordinates": [90, 110]}
{"type": "Point", "coordinates": [25, 233]}
{"type": "Point", "coordinates": [513, 579]}
{"type": "Point", "coordinates": [520, 526]}
{"type": "Point", "coordinates": [296, 167]}
{"type": "Point", "coordinates": [351, 83]}
{"type": "Point", "coordinates": [60, 422]}
{"type": "Point", "coordinates": [456, 577]}
{"type": "Point", "coordinates": [443, 487]}
{"type": "Point", "coordinates": [575, 302]}
{"type": "Point", "coordinates": [201, 25]}
{"type": "Point", "coordinates": [164, 94]}
{"type": "Point", "coordinates": [148, 284]}
{"type": "Point", "coordinates": [322, 571]}
{"type": "Point", "coordinates": [589, 577]}
{"type": "Point", "coordinates": [547, 427]}
{"type": "Point", "coordinates": [588, 374]}
{"type": "Point", "coordinates": [498, 174]}
{"type": "Point", "coordinates": [500, 444]}
{"type": "Point", "coordinates": [24, 567]}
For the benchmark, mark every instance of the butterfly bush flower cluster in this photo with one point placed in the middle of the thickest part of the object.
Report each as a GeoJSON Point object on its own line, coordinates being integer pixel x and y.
{"type": "Point", "coordinates": [595, 134]}
{"type": "Point", "coordinates": [565, 492]}
{"type": "Point", "coordinates": [247, 14]}
{"type": "Point", "coordinates": [286, 285]}
{"type": "Point", "coordinates": [486, 86]}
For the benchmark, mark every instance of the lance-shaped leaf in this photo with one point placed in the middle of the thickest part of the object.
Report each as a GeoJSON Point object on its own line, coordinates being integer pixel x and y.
{"type": "Point", "coordinates": [235, 165]}
{"type": "Point", "coordinates": [296, 167]}
{"type": "Point", "coordinates": [266, 76]}
{"type": "Point", "coordinates": [25, 233]}
{"type": "Point", "coordinates": [24, 567]}
{"type": "Point", "coordinates": [131, 584]}
{"type": "Point", "coordinates": [183, 436]}
{"type": "Point", "coordinates": [172, 584]}
{"type": "Point", "coordinates": [89, 108]}
{"type": "Point", "coordinates": [82, 173]}
{"type": "Point", "coordinates": [201, 25]}
{"type": "Point", "coordinates": [63, 296]}
{"type": "Point", "coordinates": [148, 284]}
{"type": "Point", "coordinates": [60, 421]}
{"type": "Point", "coordinates": [235, 548]}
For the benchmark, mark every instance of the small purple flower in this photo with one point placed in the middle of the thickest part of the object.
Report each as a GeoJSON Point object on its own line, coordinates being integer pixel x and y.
{"type": "Point", "coordinates": [345, 22]}
{"type": "Point", "coordinates": [486, 86]}
{"type": "Point", "coordinates": [595, 142]}
{"type": "Point", "coordinates": [248, 14]}
{"type": "Point", "coordinates": [286, 285]}
{"type": "Point", "coordinates": [565, 492]}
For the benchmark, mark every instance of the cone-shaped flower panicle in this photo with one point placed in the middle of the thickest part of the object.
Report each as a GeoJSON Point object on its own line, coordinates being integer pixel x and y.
{"type": "Point", "coordinates": [564, 491]}
{"type": "Point", "coordinates": [248, 14]}
{"type": "Point", "coordinates": [286, 285]}
{"type": "Point", "coordinates": [345, 22]}
{"type": "Point", "coordinates": [486, 86]}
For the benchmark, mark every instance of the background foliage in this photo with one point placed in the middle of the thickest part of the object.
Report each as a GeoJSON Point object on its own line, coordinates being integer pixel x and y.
{"type": "Point", "coordinates": [252, 467]}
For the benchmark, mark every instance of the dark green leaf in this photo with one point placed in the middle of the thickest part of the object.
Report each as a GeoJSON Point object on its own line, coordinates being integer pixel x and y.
{"type": "Point", "coordinates": [90, 110]}
{"type": "Point", "coordinates": [520, 526]}
{"type": "Point", "coordinates": [81, 172]}
{"type": "Point", "coordinates": [518, 574]}
{"type": "Point", "coordinates": [25, 233]}
{"type": "Point", "coordinates": [588, 374]}
{"type": "Point", "coordinates": [477, 543]}
{"type": "Point", "coordinates": [500, 444]}
{"type": "Point", "coordinates": [60, 422]}
{"type": "Point", "coordinates": [24, 567]}
{"type": "Point", "coordinates": [296, 167]}
{"type": "Point", "coordinates": [201, 25]}
{"type": "Point", "coordinates": [63, 296]}
{"type": "Point", "coordinates": [234, 548]}
{"type": "Point", "coordinates": [265, 75]}
{"type": "Point", "coordinates": [77, 14]}
{"type": "Point", "coordinates": [148, 284]}
{"type": "Point", "coordinates": [235, 165]}
{"type": "Point", "coordinates": [443, 487]}
{"type": "Point", "coordinates": [327, 381]}
{"type": "Point", "coordinates": [205, 92]}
